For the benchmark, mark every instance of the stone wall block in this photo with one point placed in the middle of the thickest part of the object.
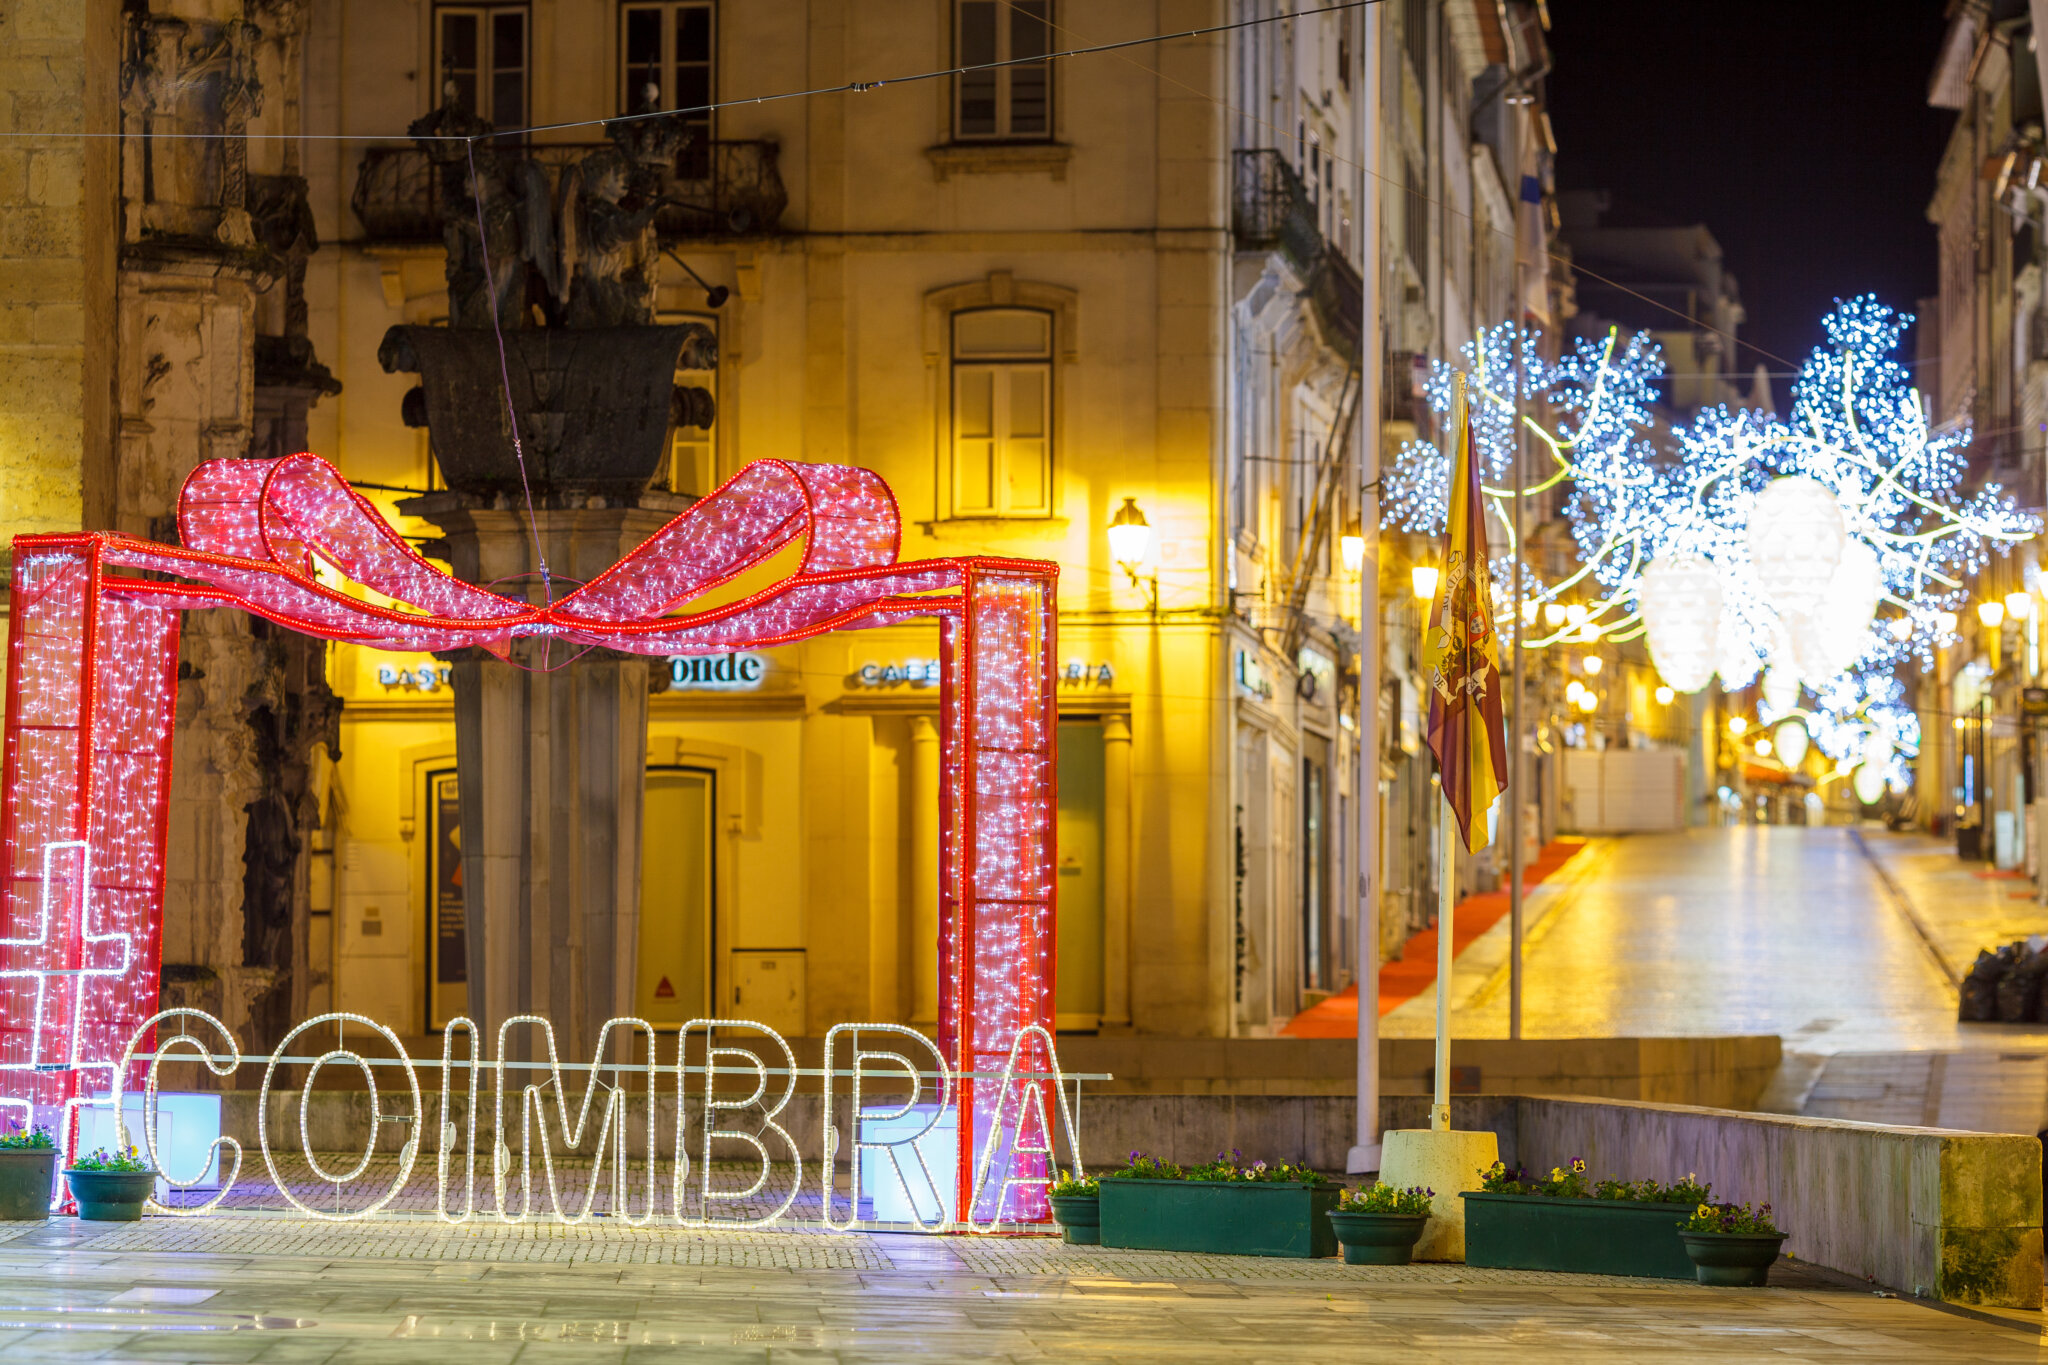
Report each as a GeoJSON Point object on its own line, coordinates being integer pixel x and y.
{"type": "Point", "coordinates": [55, 178]}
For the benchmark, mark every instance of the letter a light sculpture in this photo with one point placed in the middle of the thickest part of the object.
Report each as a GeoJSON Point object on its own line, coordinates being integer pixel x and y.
{"type": "Point", "coordinates": [92, 669]}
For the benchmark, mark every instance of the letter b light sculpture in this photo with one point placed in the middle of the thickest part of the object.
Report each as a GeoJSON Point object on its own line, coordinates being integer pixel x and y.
{"type": "Point", "coordinates": [92, 670]}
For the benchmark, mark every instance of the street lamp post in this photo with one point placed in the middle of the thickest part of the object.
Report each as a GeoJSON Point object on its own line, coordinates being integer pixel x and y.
{"type": "Point", "coordinates": [1365, 1151]}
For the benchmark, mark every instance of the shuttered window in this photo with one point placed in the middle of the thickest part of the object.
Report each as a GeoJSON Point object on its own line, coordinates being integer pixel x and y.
{"type": "Point", "coordinates": [1002, 413]}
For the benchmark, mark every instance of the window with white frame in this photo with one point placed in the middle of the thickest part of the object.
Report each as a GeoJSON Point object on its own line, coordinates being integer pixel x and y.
{"type": "Point", "coordinates": [1002, 413]}
{"type": "Point", "coordinates": [484, 51]}
{"type": "Point", "coordinates": [1011, 102]}
{"type": "Point", "coordinates": [672, 47]}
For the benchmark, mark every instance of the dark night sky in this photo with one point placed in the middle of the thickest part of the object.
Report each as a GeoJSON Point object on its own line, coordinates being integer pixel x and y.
{"type": "Point", "coordinates": [1798, 131]}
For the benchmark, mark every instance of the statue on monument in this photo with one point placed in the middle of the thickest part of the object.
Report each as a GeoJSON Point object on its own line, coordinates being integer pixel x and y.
{"type": "Point", "coordinates": [576, 248]}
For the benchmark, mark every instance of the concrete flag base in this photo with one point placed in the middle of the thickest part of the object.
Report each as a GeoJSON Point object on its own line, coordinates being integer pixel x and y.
{"type": "Point", "coordinates": [1447, 1163]}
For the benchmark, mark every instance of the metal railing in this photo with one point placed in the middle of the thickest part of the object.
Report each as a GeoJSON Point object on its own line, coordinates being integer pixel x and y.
{"type": "Point", "coordinates": [723, 189]}
{"type": "Point", "coordinates": [1272, 209]}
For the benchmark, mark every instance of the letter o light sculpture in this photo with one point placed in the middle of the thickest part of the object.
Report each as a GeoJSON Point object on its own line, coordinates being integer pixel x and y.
{"type": "Point", "coordinates": [92, 667]}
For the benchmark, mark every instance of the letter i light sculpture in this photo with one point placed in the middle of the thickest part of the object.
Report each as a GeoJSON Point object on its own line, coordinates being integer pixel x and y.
{"type": "Point", "coordinates": [92, 669]}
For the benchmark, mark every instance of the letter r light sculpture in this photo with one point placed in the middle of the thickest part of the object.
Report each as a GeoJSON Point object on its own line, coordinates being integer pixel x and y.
{"type": "Point", "coordinates": [92, 668]}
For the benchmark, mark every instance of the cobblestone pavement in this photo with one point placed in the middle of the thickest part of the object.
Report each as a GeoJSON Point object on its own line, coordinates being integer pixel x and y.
{"type": "Point", "coordinates": [561, 1180]}
{"type": "Point", "coordinates": [249, 1288]}
{"type": "Point", "coordinates": [1844, 943]}
{"type": "Point", "coordinates": [1755, 929]}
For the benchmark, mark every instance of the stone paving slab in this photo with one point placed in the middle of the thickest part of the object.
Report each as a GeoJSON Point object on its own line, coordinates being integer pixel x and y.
{"type": "Point", "coordinates": [1019, 1299]}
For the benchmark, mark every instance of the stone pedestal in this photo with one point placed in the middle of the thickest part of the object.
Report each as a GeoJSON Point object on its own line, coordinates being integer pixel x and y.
{"type": "Point", "coordinates": [1447, 1162]}
{"type": "Point", "coordinates": [551, 756]}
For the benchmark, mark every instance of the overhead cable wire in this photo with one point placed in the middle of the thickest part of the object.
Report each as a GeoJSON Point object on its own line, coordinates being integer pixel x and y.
{"type": "Point", "coordinates": [1404, 187]}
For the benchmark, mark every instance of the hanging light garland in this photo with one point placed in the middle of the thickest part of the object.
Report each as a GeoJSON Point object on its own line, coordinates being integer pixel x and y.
{"type": "Point", "coordinates": [1756, 545]}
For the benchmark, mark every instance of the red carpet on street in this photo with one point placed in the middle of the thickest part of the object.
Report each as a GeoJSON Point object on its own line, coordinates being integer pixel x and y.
{"type": "Point", "coordinates": [1415, 971]}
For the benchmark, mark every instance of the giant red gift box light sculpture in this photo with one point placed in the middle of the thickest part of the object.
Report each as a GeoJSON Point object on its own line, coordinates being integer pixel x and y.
{"type": "Point", "coordinates": [92, 689]}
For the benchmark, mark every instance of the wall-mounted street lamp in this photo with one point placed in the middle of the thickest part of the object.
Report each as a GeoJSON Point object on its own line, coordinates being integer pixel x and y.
{"type": "Point", "coordinates": [1422, 582]}
{"type": "Point", "coordinates": [1130, 543]}
{"type": "Point", "coordinates": [2018, 605]}
{"type": "Point", "coordinates": [1665, 694]}
{"type": "Point", "coordinates": [1351, 545]}
{"type": "Point", "coordinates": [1991, 614]}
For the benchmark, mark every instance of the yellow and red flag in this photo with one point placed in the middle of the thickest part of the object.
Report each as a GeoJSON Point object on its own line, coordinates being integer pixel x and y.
{"type": "Point", "coordinates": [1459, 649]}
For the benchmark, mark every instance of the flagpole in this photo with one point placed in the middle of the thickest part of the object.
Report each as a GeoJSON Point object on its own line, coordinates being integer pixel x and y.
{"type": "Point", "coordinates": [1467, 733]}
{"type": "Point", "coordinates": [1515, 717]}
{"type": "Point", "coordinates": [1446, 899]}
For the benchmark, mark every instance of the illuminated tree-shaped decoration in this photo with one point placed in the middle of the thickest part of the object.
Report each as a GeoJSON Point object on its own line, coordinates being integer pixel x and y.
{"type": "Point", "coordinates": [1811, 525]}
{"type": "Point", "coordinates": [1600, 394]}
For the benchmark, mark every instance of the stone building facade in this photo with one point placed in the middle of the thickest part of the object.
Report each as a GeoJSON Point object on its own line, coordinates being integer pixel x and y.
{"type": "Point", "coordinates": [1028, 297]}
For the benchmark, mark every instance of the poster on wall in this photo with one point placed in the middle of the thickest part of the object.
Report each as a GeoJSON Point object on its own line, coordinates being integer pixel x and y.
{"type": "Point", "coordinates": [447, 939]}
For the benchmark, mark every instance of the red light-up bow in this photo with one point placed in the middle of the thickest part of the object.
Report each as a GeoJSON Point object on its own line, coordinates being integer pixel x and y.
{"type": "Point", "coordinates": [92, 687]}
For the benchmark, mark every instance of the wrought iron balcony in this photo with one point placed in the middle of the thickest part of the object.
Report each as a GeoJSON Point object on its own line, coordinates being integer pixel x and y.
{"type": "Point", "coordinates": [725, 189]}
{"type": "Point", "coordinates": [1271, 209]}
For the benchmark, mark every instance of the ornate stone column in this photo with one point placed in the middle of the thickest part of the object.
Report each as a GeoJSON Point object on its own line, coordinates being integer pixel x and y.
{"type": "Point", "coordinates": [550, 756]}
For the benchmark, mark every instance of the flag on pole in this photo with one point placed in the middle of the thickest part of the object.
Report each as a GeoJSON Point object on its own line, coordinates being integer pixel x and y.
{"type": "Point", "coordinates": [1460, 655]}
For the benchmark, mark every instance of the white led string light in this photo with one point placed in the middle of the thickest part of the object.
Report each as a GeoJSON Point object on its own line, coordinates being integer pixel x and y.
{"type": "Point", "coordinates": [407, 1153]}
{"type": "Point", "coordinates": [1033, 1095]}
{"type": "Point", "coordinates": [898, 1062]}
{"type": "Point", "coordinates": [219, 1066]}
{"type": "Point", "coordinates": [713, 1105]}
{"type": "Point", "coordinates": [533, 1104]}
{"type": "Point", "coordinates": [611, 1127]}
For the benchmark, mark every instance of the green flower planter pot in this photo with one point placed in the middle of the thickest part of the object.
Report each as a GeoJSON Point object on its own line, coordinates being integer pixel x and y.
{"type": "Point", "coordinates": [1734, 1259]}
{"type": "Point", "coordinates": [1377, 1238]}
{"type": "Point", "coordinates": [111, 1196]}
{"type": "Point", "coordinates": [26, 1175]}
{"type": "Point", "coordinates": [1230, 1217]}
{"type": "Point", "coordinates": [1593, 1236]}
{"type": "Point", "coordinates": [1079, 1217]}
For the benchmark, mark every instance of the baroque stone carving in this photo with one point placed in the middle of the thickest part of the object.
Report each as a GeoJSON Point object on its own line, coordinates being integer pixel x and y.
{"type": "Point", "coordinates": [549, 244]}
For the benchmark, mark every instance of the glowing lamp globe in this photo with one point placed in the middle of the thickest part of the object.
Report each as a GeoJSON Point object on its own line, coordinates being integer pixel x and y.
{"type": "Point", "coordinates": [1838, 634]}
{"type": "Point", "coordinates": [1735, 654]}
{"type": "Point", "coordinates": [1796, 536]}
{"type": "Point", "coordinates": [1791, 742]}
{"type": "Point", "coordinates": [1681, 603]}
{"type": "Point", "coordinates": [1991, 614]}
{"type": "Point", "coordinates": [1781, 689]}
{"type": "Point", "coordinates": [1422, 582]}
{"type": "Point", "coordinates": [1130, 535]}
{"type": "Point", "coordinates": [1868, 784]}
{"type": "Point", "coordinates": [2018, 605]}
{"type": "Point", "coordinates": [1665, 694]}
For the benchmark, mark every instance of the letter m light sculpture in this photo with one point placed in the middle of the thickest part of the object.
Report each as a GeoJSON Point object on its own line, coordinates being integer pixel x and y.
{"type": "Point", "coordinates": [92, 669]}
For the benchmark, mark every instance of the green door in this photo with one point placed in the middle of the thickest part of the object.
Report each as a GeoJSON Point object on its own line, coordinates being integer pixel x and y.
{"type": "Point", "coordinates": [1078, 985]}
{"type": "Point", "coordinates": [676, 897]}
